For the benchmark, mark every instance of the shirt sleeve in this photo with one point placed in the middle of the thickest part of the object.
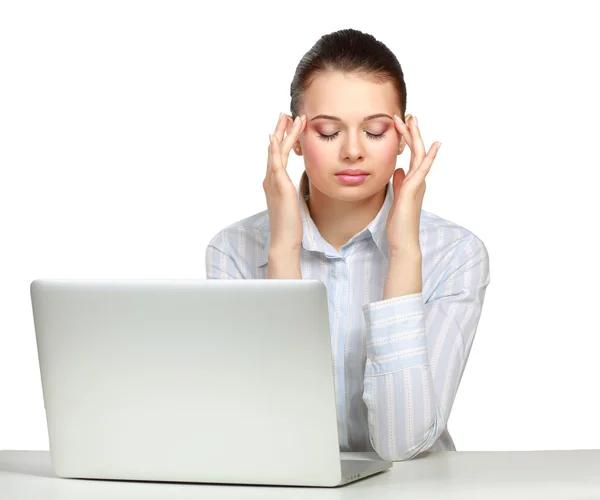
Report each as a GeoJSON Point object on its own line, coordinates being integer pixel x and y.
{"type": "Point", "coordinates": [219, 263]}
{"type": "Point", "coordinates": [416, 355]}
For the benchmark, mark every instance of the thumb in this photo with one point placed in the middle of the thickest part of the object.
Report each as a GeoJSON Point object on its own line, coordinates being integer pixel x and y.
{"type": "Point", "coordinates": [398, 180]}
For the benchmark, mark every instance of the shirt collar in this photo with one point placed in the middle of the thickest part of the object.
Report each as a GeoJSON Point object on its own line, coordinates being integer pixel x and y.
{"type": "Point", "coordinates": [314, 242]}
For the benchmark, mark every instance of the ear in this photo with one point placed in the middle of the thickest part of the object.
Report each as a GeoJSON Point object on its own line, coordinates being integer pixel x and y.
{"type": "Point", "coordinates": [401, 145]}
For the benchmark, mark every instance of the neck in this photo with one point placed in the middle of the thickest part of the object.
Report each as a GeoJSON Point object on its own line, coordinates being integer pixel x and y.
{"type": "Point", "coordinates": [338, 220]}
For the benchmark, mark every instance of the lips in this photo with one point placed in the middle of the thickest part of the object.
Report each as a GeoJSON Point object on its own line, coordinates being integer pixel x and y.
{"type": "Point", "coordinates": [351, 171]}
{"type": "Point", "coordinates": [352, 180]}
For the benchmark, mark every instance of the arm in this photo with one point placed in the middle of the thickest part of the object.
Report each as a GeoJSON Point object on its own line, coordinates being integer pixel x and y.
{"type": "Point", "coordinates": [284, 264]}
{"type": "Point", "coordinates": [416, 354]}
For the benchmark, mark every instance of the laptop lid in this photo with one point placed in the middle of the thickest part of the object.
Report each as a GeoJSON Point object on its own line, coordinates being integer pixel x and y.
{"type": "Point", "coordinates": [225, 381]}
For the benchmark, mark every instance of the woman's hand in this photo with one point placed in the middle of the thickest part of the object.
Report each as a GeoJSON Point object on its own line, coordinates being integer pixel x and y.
{"type": "Point", "coordinates": [403, 220]}
{"type": "Point", "coordinates": [282, 199]}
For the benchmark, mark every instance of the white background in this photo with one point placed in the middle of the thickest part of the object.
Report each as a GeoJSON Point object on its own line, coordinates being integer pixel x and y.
{"type": "Point", "coordinates": [132, 132]}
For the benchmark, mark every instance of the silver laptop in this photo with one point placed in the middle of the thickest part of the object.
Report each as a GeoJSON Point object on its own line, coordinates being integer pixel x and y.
{"type": "Point", "coordinates": [216, 381]}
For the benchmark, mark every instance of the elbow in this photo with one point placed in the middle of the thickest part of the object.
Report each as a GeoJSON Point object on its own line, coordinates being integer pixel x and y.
{"type": "Point", "coordinates": [402, 453]}
{"type": "Point", "coordinates": [395, 457]}
{"type": "Point", "coordinates": [399, 455]}
{"type": "Point", "coordinates": [396, 454]}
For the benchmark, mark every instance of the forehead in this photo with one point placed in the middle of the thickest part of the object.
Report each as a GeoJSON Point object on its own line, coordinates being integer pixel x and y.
{"type": "Point", "coordinates": [348, 96]}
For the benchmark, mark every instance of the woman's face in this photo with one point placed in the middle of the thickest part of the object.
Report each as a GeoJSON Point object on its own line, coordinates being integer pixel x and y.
{"type": "Point", "coordinates": [355, 140]}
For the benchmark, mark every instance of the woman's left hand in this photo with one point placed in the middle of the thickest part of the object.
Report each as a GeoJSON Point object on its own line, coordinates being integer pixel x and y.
{"type": "Point", "coordinates": [402, 227]}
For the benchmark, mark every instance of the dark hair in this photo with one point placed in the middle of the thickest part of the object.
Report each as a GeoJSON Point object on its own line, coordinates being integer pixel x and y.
{"type": "Point", "coordinates": [347, 51]}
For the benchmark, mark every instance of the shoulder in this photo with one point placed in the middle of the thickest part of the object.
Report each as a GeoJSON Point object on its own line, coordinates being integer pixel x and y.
{"type": "Point", "coordinates": [447, 247]}
{"type": "Point", "coordinates": [443, 235]}
{"type": "Point", "coordinates": [243, 236]}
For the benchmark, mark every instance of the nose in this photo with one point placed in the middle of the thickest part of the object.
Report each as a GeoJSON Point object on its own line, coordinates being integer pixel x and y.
{"type": "Point", "coordinates": [352, 148]}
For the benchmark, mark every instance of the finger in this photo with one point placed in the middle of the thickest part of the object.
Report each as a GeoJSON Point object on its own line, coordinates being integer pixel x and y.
{"type": "Point", "coordinates": [423, 169]}
{"type": "Point", "coordinates": [269, 154]}
{"type": "Point", "coordinates": [289, 123]}
{"type": "Point", "coordinates": [275, 153]}
{"type": "Point", "coordinates": [419, 147]}
{"type": "Point", "coordinates": [405, 131]}
{"type": "Point", "coordinates": [271, 157]}
{"type": "Point", "coordinates": [409, 135]}
{"type": "Point", "coordinates": [292, 137]}
{"type": "Point", "coordinates": [280, 128]}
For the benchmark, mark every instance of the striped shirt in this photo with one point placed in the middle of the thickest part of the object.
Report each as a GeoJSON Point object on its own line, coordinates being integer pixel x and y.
{"type": "Point", "coordinates": [397, 362]}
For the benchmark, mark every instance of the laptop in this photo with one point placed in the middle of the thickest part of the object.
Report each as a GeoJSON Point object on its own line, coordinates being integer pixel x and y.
{"type": "Point", "coordinates": [196, 380]}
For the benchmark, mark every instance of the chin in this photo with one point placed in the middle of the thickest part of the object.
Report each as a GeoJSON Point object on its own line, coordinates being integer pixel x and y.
{"type": "Point", "coordinates": [342, 192]}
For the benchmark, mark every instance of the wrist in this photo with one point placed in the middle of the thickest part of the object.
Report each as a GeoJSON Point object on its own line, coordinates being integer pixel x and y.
{"type": "Point", "coordinates": [284, 263]}
{"type": "Point", "coordinates": [404, 275]}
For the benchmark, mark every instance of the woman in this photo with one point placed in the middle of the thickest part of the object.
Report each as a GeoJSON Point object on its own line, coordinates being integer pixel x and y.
{"type": "Point", "coordinates": [405, 287]}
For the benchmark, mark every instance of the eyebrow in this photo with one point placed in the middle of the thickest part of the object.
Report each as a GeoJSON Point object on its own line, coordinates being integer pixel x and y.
{"type": "Point", "coordinates": [337, 119]}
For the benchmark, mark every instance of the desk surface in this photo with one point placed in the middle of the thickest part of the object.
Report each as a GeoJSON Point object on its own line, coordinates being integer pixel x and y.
{"type": "Point", "coordinates": [464, 475]}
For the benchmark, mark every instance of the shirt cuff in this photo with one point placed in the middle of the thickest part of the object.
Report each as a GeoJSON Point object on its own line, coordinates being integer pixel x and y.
{"type": "Point", "coordinates": [395, 334]}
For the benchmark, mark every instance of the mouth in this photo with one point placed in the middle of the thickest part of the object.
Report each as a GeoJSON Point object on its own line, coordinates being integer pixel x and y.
{"type": "Point", "coordinates": [351, 171]}
{"type": "Point", "coordinates": [352, 179]}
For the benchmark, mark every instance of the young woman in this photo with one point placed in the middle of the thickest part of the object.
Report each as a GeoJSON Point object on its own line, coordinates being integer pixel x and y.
{"type": "Point", "coordinates": [405, 287]}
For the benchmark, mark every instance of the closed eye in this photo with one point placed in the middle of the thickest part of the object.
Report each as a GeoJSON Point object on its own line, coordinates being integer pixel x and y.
{"type": "Point", "coordinates": [333, 136]}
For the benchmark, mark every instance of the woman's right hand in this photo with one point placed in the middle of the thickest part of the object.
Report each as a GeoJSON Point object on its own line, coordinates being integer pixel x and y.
{"type": "Point", "coordinates": [282, 199]}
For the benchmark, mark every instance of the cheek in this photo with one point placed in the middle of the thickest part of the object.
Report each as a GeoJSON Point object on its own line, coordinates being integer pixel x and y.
{"type": "Point", "coordinates": [312, 149]}
{"type": "Point", "coordinates": [388, 151]}
{"type": "Point", "coordinates": [316, 153]}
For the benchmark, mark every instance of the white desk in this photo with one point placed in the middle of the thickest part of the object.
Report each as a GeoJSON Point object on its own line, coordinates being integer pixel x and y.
{"type": "Point", "coordinates": [464, 475]}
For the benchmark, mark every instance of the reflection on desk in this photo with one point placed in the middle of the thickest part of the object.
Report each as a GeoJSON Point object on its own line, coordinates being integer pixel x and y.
{"type": "Point", "coordinates": [443, 475]}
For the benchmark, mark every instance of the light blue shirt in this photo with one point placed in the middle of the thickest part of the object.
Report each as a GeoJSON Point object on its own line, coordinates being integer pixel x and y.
{"type": "Point", "coordinates": [397, 362]}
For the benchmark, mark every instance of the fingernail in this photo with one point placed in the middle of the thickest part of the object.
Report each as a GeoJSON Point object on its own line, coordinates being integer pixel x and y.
{"type": "Point", "coordinates": [296, 120]}
{"type": "Point", "coordinates": [416, 121]}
